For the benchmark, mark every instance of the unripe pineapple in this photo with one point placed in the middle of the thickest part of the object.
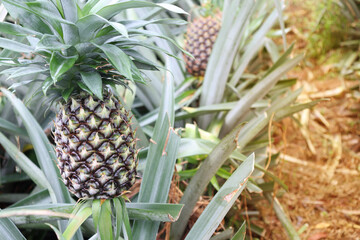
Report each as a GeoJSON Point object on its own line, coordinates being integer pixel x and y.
{"type": "Point", "coordinates": [95, 146]}
{"type": "Point", "coordinates": [80, 49]}
{"type": "Point", "coordinates": [200, 38]}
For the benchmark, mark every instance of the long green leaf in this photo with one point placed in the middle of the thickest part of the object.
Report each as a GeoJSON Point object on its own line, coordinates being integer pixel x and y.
{"type": "Point", "coordinates": [45, 8]}
{"type": "Point", "coordinates": [26, 16]}
{"type": "Point", "coordinates": [41, 197]}
{"type": "Point", "coordinates": [253, 47]}
{"type": "Point", "coordinates": [25, 164]}
{"type": "Point", "coordinates": [192, 147]}
{"type": "Point", "coordinates": [172, 8]}
{"type": "Point", "coordinates": [120, 28]}
{"type": "Point", "coordinates": [155, 211]}
{"type": "Point", "coordinates": [27, 71]}
{"type": "Point", "coordinates": [17, 30]}
{"type": "Point", "coordinates": [214, 213]}
{"type": "Point", "coordinates": [126, 221]}
{"type": "Point", "coordinates": [160, 162]}
{"type": "Point", "coordinates": [70, 11]}
{"type": "Point", "coordinates": [14, 177]}
{"type": "Point", "coordinates": [88, 6]}
{"type": "Point", "coordinates": [118, 59]}
{"type": "Point", "coordinates": [9, 231]}
{"type": "Point", "coordinates": [223, 53]}
{"type": "Point", "coordinates": [57, 232]}
{"type": "Point", "coordinates": [172, 64]}
{"type": "Point", "coordinates": [279, 7]}
{"type": "Point", "coordinates": [105, 224]}
{"type": "Point", "coordinates": [194, 112]}
{"type": "Point", "coordinates": [255, 93]}
{"type": "Point", "coordinates": [59, 64]}
{"type": "Point", "coordinates": [80, 217]}
{"type": "Point", "coordinates": [240, 234]}
{"type": "Point", "coordinates": [33, 212]}
{"type": "Point", "coordinates": [148, 33]}
{"type": "Point", "coordinates": [111, 10]}
{"type": "Point", "coordinates": [52, 43]}
{"type": "Point", "coordinates": [285, 221]}
{"type": "Point", "coordinates": [162, 212]}
{"type": "Point", "coordinates": [142, 23]}
{"type": "Point", "coordinates": [99, 5]}
{"type": "Point", "coordinates": [43, 149]}
{"type": "Point", "coordinates": [11, 128]}
{"type": "Point", "coordinates": [91, 24]}
{"type": "Point", "coordinates": [118, 216]}
{"type": "Point", "coordinates": [93, 81]}
{"type": "Point", "coordinates": [96, 208]}
{"type": "Point", "coordinates": [15, 46]}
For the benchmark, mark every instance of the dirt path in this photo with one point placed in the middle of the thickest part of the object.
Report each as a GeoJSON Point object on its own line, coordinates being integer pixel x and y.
{"type": "Point", "coordinates": [320, 159]}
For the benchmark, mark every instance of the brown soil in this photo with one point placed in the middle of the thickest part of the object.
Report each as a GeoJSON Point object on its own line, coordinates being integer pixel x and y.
{"type": "Point", "coordinates": [320, 161]}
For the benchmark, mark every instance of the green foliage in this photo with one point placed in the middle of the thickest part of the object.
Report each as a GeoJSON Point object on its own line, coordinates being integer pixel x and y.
{"type": "Point", "coordinates": [330, 29]}
{"type": "Point", "coordinates": [222, 201]}
{"type": "Point", "coordinates": [78, 44]}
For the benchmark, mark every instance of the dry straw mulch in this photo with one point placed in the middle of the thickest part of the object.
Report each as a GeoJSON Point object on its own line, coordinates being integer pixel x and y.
{"type": "Point", "coordinates": [320, 161]}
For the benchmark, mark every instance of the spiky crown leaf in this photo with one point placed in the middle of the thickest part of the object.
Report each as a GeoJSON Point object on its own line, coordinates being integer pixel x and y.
{"type": "Point", "coordinates": [76, 46]}
{"type": "Point", "coordinates": [207, 8]}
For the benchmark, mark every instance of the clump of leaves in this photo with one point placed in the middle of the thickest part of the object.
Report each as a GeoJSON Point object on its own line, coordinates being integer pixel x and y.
{"type": "Point", "coordinates": [330, 29]}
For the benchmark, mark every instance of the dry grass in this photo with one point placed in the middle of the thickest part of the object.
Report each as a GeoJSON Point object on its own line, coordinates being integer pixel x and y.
{"type": "Point", "coordinates": [320, 159]}
{"type": "Point", "coordinates": [324, 179]}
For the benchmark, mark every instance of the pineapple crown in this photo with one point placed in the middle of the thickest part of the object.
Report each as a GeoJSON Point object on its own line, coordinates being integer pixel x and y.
{"type": "Point", "coordinates": [207, 8]}
{"type": "Point", "coordinates": [76, 46]}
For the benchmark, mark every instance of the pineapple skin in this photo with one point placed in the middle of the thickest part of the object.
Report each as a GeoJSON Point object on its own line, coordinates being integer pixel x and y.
{"type": "Point", "coordinates": [95, 147]}
{"type": "Point", "coordinates": [200, 38]}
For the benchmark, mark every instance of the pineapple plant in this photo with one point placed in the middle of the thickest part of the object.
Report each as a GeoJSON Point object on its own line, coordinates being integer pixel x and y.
{"type": "Point", "coordinates": [200, 37]}
{"type": "Point", "coordinates": [80, 51]}
{"type": "Point", "coordinates": [95, 143]}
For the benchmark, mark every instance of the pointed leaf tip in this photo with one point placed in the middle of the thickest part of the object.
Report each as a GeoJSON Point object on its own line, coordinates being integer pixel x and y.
{"type": "Point", "coordinates": [172, 8]}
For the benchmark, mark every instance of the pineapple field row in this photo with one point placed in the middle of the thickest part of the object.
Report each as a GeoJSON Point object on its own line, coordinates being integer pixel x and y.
{"type": "Point", "coordinates": [143, 119]}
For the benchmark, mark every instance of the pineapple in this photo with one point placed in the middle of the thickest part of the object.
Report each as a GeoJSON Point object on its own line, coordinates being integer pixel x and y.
{"type": "Point", "coordinates": [95, 146]}
{"type": "Point", "coordinates": [200, 38]}
{"type": "Point", "coordinates": [80, 51]}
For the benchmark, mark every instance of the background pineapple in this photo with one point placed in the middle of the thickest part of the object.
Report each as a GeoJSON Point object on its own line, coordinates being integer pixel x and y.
{"type": "Point", "coordinates": [200, 38]}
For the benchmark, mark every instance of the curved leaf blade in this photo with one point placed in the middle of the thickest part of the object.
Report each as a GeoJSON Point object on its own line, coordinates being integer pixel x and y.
{"type": "Point", "coordinates": [15, 46]}
{"type": "Point", "coordinates": [213, 214]}
{"type": "Point", "coordinates": [43, 149]}
{"type": "Point", "coordinates": [59, 64]}
{"type": "Point", "coordinates": [11, 128]}
{"type": "Point", "coordinates": [25, 163]}
{"type": "Point", "coordinates": [17, 30]}
{"type": "Point", "coordinates": [118, 59]}
{"type": "Point", "coordinates": [9, 231]}
{"type": "Point", "coordinates": [93, 81]}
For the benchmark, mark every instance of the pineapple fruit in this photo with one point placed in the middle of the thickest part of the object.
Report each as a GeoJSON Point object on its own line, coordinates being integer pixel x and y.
{"type": "Point", "coordinates": [95, 146]}
{"type": "Point", "coordinates": [200, 38]}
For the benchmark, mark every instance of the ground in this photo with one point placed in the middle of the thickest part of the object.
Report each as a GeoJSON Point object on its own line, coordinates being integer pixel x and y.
{"type": "Point", "coordinates": [320, 148]}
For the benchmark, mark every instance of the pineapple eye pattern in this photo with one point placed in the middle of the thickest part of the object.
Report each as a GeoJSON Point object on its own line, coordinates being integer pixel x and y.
{"type": "Point", "coordinates": [200, 38]}
{"type": "Point", "coordinates": [98, 160]}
